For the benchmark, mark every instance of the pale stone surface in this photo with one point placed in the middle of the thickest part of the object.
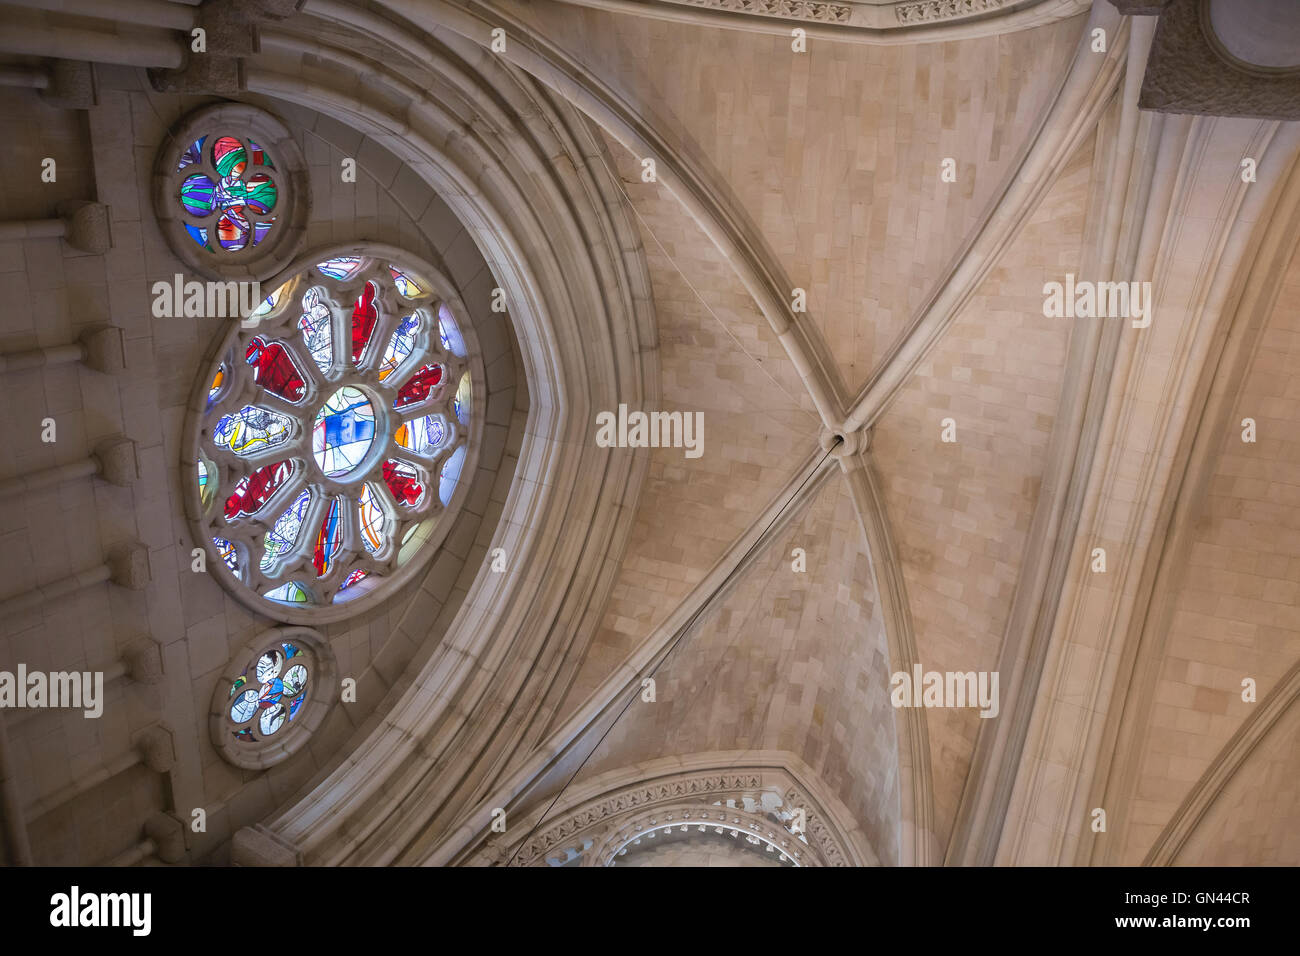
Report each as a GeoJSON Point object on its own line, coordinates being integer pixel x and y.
{"type": "Point", "coordinates": [788, 660]}
{"type": "Point", "coordinates": [829, 164]}
{"type": "Point", "coordinates": [834, 155]}
{"type": "Point", "coordinates": [961, 510]}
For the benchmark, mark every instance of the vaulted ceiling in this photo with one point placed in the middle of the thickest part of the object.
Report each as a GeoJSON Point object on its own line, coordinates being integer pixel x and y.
{"type": "Point", "coordinates": [800, 270]}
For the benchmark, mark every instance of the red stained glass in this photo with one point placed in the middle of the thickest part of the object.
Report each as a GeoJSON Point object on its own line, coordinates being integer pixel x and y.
{"type": "Point", "coordinates": [329, 539]}
{"type": "Point", "coordinates": [418, 386]}
{"type": "Point", "coordinates": [274, 370]}
{"type": "Point", "coordinates": [365, 313]}
{"type": "Point", "coordinates": [402, 482]}
{"type": "Point", "coordinates": [256, 490]}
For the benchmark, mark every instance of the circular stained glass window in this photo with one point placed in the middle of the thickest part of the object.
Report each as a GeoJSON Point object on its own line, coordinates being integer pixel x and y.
{"type": "Point", "coordinates": [335, 428]}
{"type": "Point", "coordinates": [231, 191]}
{"type": "Point", "coordinates": [273, 694]}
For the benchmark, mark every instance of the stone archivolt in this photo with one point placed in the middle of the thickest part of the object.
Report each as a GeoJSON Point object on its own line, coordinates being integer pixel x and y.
{"type": "Point", "coordinates": [755, 802]}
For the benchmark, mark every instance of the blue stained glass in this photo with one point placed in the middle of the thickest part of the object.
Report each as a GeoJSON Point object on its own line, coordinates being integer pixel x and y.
{"type": "Point", "coordinates": [449, 332]}
{"type": "Point", "coordinates": [343, 267]}
{"type": "Point", "coordinates": [450, 475]}
{"type": "Point", "coordinates": [193, 154]}
{"type": "Point", "coordinates": [199, 234]}
{"type": "Point", "coordinates": [229, 556]}
{"type": "Point", "coordinates": [271, 692]}
{"type": "Point", "coordinates": [344, 432]}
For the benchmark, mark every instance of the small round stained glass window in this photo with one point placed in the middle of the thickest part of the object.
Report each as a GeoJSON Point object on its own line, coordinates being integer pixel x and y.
{"type": "Point", "coordinates": [335, 430]}
{"type": "Point", "coordinates": [231, 191]}
{"type": "Point", "coordinates": [273, 694]}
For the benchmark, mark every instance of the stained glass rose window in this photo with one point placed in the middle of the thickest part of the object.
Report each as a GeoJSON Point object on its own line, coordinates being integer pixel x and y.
{"type": "Point", "coordinates": [334, 430]}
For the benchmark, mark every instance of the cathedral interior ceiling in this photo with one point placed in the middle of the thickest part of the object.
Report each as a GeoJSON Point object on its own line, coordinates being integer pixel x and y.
{"type": "Point", "coordinates": [835, 261]}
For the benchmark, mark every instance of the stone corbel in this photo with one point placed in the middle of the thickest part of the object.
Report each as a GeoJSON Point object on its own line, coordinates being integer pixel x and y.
{"type": "Point", "coordinates": [258, 846]}
{"type": "Point", "coordinates": [231, 33]}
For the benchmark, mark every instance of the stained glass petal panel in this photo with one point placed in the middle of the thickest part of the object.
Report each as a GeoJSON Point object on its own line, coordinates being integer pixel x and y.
{"type": "Point", "coordinates": [317, 329]}
{"type": "Point", "coordinates": [418, 386]}
{"type": "Point", "coordinates": [343, 267]}
{"type": "Point", "coordinates": [371, 516]}
{"type": "Point", "coordinates": [406, 285]}
{"type": "Point", "coordinates": [198, 195]}
{"type": "Point", "coordinates": [251, 430]}
{"type": "Point", "coordinates": [399, 346]}
{"type": "Point", "coordinates": [228, 156]}
{"type": "Point", "coordinates": [217, 381]}
{"type": "Point", "coordinates": [423, 435]}
{"type": "Point", "coordinates": [274, 370]}
{"type": "Point", "coordinates": [461, 403]}
{"type": "Point", "coordinates": [243, 709]}
{"type": "Point", "coordinates": [255, 490]}
{"type": "Point", "coordinates": [450, 475]}
{"type": "Point", "coordinates": [273, 719]}
{"type": "Point", "coordinates": [260, 193]}
{"type": "Point", "coordinates": [404, 482]}
{"type": "Point", "coordinates": [205, 487]}
{"type": "Point", "coordinates": [365, 314]}
{"type": "Point", "coordinates": [291, 593]}
{"type": "Point", "coordinates": [232, 229]}
{"type": "Point", "coordinates": [449, 332]}
{"type": "Point", "coordinates": [295, 680]}
{"type": "Point", "coordinates": [284, 534]}
{"type": "Point", "coordinates": [329, 539]}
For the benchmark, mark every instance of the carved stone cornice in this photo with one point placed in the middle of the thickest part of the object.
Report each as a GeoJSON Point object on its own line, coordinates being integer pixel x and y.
{"type": "Point", "coordinates": [927, 11]}
{"type": "Point", "coordinates": [787, 9]}
{"type": "Point", "coordinates": [861, 21]}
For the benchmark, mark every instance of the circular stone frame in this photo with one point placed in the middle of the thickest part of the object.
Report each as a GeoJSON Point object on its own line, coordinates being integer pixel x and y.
{"type": "Point", "coordinates": [434, 522]}
{"type": "Point", "coordinates": [289, 174]}
{"type": "Point", "coordinates": [322, 693]}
